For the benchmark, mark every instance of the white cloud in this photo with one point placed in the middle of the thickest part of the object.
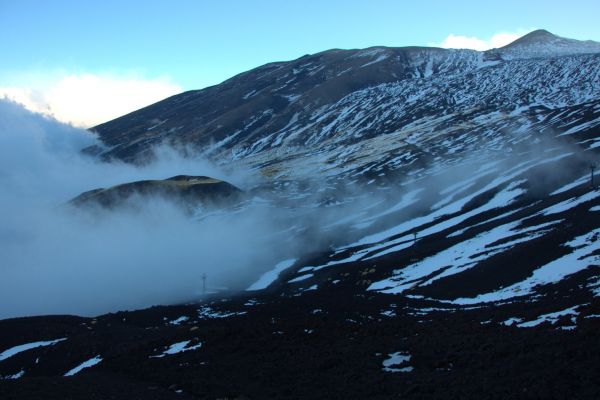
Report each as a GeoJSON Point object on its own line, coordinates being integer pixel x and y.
{"type": "Point", "coordinates": [55, 259]}
{"type": "Point", "coordinates": [471, 42]}
{"type": "Point", "coordinates": [87, 99]}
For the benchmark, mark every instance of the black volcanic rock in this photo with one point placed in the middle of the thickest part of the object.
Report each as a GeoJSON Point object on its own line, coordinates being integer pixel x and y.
{"type": "Point", "coordinates": [317, 346]}
{"type": "Point", "coordinates": [537, 36]}
{"type": "Point", "coordinates": [189, 191]}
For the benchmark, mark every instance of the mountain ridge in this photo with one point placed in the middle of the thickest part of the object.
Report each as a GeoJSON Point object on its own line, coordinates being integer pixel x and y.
{"type": "Point", "coordinates": [432, 110]}
{"type": "Point", "coordinates": [254, 104]}
{"type": "Point", "coordinates": [437, 237]}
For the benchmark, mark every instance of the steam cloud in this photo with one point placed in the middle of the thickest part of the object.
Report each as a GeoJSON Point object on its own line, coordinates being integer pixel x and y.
{"type": "Point", "coordinates": [55, 259]}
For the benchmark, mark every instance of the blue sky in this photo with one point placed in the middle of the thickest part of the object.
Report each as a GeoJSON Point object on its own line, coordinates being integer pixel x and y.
{"type": "Point", "coordinates": [185, 45]}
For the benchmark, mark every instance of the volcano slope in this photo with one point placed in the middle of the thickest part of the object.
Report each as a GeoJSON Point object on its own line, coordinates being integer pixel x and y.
{"type": "Point", "coordinates": [190, 192]}
{"type": "Point", "coordinates": [457, 223]}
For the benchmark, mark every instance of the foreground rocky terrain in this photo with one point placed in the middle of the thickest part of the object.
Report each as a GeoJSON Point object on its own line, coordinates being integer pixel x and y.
{"type": "Point", "coordinates": [446, 218]}
{"type": "Point", "coordinates": [334, 344]}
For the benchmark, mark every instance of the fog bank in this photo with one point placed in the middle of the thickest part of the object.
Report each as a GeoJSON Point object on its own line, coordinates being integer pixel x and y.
{"type": "Point", "coordinates": [57, 259]}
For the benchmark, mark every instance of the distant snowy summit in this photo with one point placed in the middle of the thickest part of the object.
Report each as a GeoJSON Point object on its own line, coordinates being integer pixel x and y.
{"type": "Point", "coordinates": [541, 43]}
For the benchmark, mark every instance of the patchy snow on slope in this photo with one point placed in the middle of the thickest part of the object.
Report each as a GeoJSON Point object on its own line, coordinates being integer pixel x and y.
{"type": "Point", "coordinates": [393, 231]}
{"type": "Point", "coordinates": [14, 376]}
{"type": "Point", "coordinates": [551, 317]}
{"type": "Point", "coordinates": [398, 358]}
{"type": "Point", "coordinates": [271, 276]}
{"type": "Point", "coordinates": [301, 278]}
{"type": "Point", "coordinates": [504, 215]}
{"type": "Point", "coordinates": [86, 364]}
{"type": "Point", "coordinates": [378, 59]}
{"type": "Point", "coordinates": [581, 257]}
{"type": "Point", "coordinates": [401, 243]}
{"type": "Point", "coordinates": [209, 312]}
{"type": "Point", "coordinates": [446, 200]}
{"type": "Point", "coordinates": [179, 320]}
{"type": "Point", "coordinates": [570, 203]}
{"type": "Point", "coordinates": [587, 125]}
{"type": "Point", "coordinates": [571, 185]}
{"type": "Point", "coordinates": [594, 145]}
{"type": "Point", "coordinates": [368, 52]}
{"type": "Point", "coordinates": [388, 313]}
{"type": "Point", "coordinates": [178, 347]}
{"type": "Point", "coordinates": [27, 346]}
{"type": "Point", "coordinates": [503, 198]}
{"type": "Point", "coordinates": [478, 250]}
{"type": "Point", "coordinates": [291, 97]}
{"type": "Point", "coordinates": [344, 71]}
{"type": "Point", "coordinates": [458, 258]}
{"type": "Point", "coordinates": [355, 256]}
{"type": "Point", "coordinates": [249, 94]}
{"type": "Point", "coordinates": [453, 190]}
{"type": "Point", "coordinates": [406, 200]}
{"type": "Point", "coordinates": [512, 321]}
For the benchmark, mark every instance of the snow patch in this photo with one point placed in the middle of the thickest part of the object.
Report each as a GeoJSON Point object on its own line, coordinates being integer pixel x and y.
{"type": "Point", "coordinates": [271, 276]}
{"type": "Point", "coordinates": [86, 364]}
{"type": "Point", "coordinates": [178, 347]}
{"type": "Point", "coordinates": [15, 376]}
{"type": "Point", "coordinates": [571, 185]}
{"type": "Point", "coordinates": [208, 312]}
{"type": "Point", "coordinates": [551, 317]}
{"type": "Point", "coordinates": [301, 278]}
{"type": "Point", "coordinates": [398, 358]}
{"type": "Point", "coordinates": [378, 59]}
{"type": "Point", "coordinates": [179, 320]}
{"type": "Point", "coordinates": [27, 346]}
{"type": "Point", "coordinates": [460, 257]}
{"type": "Point", "coordinates": [512, 321]}
{"type": "Point", "coordinates": [570, 203]}
{"type": "Point", "coordinates": [585, 252]}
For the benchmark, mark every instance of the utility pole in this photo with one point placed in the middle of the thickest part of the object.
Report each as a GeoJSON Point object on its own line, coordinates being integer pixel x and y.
{"type": "Point", "coordinates": [204, 284]}
{"type": "Point", "coordinates": [414, 248]}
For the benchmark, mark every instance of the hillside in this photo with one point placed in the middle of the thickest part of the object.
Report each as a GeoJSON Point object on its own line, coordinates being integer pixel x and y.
{"type": "Point", "coordinates": [190, 192]}
{"type": "Point", "coordinates": [441, 216]}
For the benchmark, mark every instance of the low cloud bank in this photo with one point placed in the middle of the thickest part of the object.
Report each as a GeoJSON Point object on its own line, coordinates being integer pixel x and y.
{"type": "Point", "coordinates": [58, 259]}
{"type": "Point", "coordinates": [89, 99]}
{"type": "Point", "coordinates": [497, 40]}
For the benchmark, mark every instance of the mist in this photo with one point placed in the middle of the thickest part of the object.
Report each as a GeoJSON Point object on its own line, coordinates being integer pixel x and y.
{"type": "Point", "coordinates": [57, 259]}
